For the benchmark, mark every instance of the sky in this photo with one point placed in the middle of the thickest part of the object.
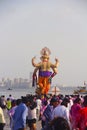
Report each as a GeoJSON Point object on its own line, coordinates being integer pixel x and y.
{"type": "Point", "coordinates": [27, 26]}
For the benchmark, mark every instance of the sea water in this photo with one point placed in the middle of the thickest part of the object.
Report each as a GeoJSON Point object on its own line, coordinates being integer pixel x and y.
{"type": "Point", "coordinates": [18, 92]}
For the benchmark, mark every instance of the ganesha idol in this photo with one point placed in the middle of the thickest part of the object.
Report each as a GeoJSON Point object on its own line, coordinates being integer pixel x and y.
{"type": "Point", "coordinates": [44, 71]}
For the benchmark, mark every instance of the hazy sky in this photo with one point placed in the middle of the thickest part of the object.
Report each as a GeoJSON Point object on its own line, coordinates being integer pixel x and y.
{"type": "Point", "coordinates": [26, 26]}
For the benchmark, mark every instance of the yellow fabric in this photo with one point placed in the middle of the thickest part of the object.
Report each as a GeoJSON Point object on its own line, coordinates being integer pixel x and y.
{"type": "Point", "coordinates": [8, 104]}
{"type": "Point", "coordinates": [2, 119]}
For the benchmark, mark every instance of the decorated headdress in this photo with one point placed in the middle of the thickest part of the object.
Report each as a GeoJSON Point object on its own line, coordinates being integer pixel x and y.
{"type": "Point", "coordinates": [45, 52]}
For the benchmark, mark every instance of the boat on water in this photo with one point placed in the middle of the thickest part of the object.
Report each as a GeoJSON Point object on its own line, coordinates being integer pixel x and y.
{"type": "Point", "coordinates": [80, 90]}
{"type": "Point", "coordinates": [9, 89]}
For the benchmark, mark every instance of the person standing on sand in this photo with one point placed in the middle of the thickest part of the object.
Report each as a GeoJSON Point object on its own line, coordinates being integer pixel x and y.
{"type": "Point", "coordinates": [39, 104]}
{"type": "Point", "coordinates": [20, 115]}
{"type": "Point", "coordinates": [11, 97]}
{"type": "Point", "coordinates": [8, 104]}
{"type": "Point", "coordinates": [74, 112]}
{"type": "Point", "coordinates": [41, 117]}
{"type": "Point", "coordinates": [47, 114]}
{"type": "Point", "coordinates": [82, 116]}
{"type": "Point", "coordinates": [62, 110]}
{"type": "Point", "coordinates": [11, 113]}
{"type": "Point", "coordinates": [32, 117]}
{"type": "Point", "coordinates": [2, 119]}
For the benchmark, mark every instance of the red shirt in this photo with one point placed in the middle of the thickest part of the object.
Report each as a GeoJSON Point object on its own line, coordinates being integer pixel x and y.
{"type": "Point", "coordinates": [82, 119]}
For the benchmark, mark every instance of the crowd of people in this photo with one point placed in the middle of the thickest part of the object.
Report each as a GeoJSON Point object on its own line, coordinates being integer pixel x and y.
{"type": "Point", "coordinates": [55, 112]}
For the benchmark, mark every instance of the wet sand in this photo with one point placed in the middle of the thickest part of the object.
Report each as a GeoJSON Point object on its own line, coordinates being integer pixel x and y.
{"type": "Point", "coordinates": [7, 126]}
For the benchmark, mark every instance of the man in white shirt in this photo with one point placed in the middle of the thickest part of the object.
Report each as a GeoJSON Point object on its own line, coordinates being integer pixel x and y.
{"type": "Point", "coordinates": [39, 103]}
{"type": "Point", "coordinates": [61, 111]}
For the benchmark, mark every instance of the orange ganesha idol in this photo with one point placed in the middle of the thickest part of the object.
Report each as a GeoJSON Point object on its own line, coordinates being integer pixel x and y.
{"type": "Point", "coordinates": [46, 71]}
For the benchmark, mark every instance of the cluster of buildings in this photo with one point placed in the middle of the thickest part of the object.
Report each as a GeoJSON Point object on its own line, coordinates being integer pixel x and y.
{"type": "Point", "coordinates": [16, 82]}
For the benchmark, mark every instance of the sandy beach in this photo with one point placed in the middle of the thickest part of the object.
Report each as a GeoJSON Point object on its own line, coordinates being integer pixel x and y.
{"type": "Point", "coordinates": [7, 126]}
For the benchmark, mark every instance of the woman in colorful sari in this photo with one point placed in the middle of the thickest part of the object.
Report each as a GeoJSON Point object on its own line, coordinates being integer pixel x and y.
{"type": "Point", "coordinates": [74, 112]}
{"type": "Point", "coordinates": [82, 118]}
